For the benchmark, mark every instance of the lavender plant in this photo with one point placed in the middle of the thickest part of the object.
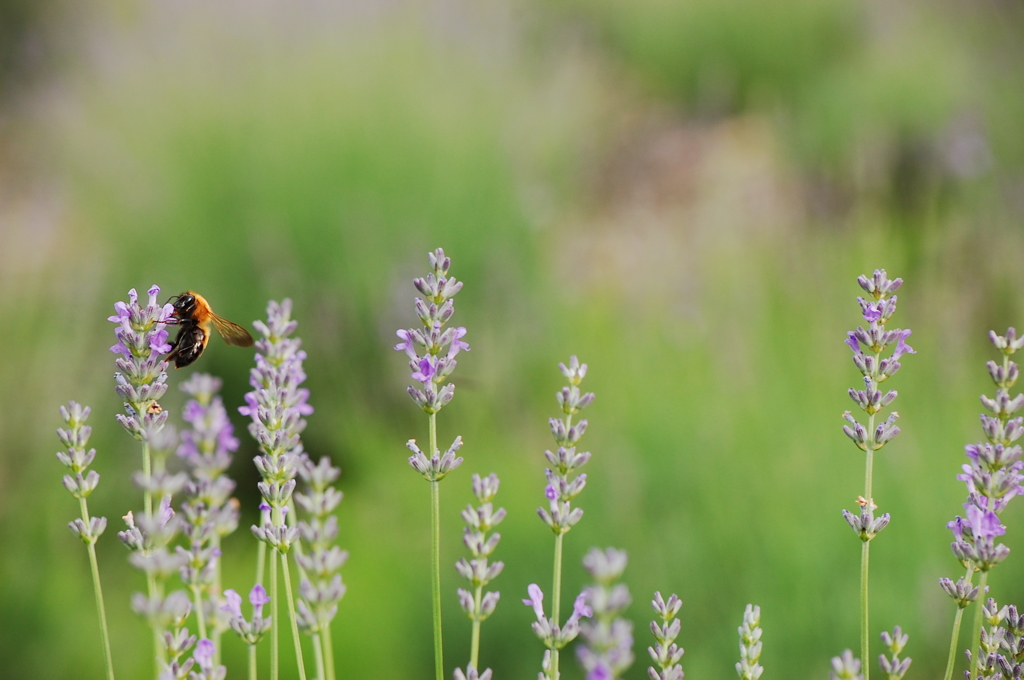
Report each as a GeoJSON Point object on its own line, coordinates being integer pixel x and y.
{"type": "Point", "coordinates": [993, 478]}
{"type": "Point", "coordinates": [87, 528]}
{"type": "Point", "coordinates": [320, 587]}
{"type": "Point", "coordinates": [553, 636]}
{"type": "Point", "coordinates": [868, 345]}
{"type": "Point", "coordinates": [251, 631]}
{"type": "Point", "coordinates": [432, 350]}
{"type": "Point", "coordinates": [210, 512]}
{"type": "Point", "coordinates": [176, 639]}
{"type": "Point", "coordinates": [750, 644]}
{"type": "Point", "coordinates": [141, 380]}
{"type": "Point", "coordinates": [846, 667]}
{"type": "Point", "coordinates": [665, 652]}
{"type": "Point", "coordinates": [277, 405]}
{"type": "Point", "coordinates": [562, 487]}
{"type": "Point", "coordinates": [479, 605]}
{"type": "Point", "coordinates": [894, 667]}
{"type": "Point", "coordinates": [607, 649]}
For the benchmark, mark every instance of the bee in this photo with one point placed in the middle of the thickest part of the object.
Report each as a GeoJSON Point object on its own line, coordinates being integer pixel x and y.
{"type": "Point", "coordinates": [193, 316]}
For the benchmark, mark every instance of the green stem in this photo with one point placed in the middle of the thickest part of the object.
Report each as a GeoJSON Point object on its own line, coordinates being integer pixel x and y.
{"type": "Point", "coordinates": [979, 617]}
{"type": "Point", "coordinates": [98, 591]}
{"type": "Point", "coordinates": [252, 660]}
{"type": "Point", "coordinates": [159, 656]}
{"type": "Point", "coordinates": [261, 561]}
{"type": "Point", "coordinates": [435, 555]}
{"type": "Point", "coordinates": [968, 577]}
{"type": "Point", "coordinates": [556, 599]}
{"type": "Point", "coordinates": [328, 645]}
{"type": "Point", "coordinates": [274, 651]}
{"type": "Point", "coordinates": [216, 591]}
{"type": "Point", "coordinates": [474, 645]}
{"type": "Point", "coordinates": [291, 616]}
{"type": "Point", "coordinates": [865, 551]}
{"type": "Point", "coordinates": [200, 617]}
{"type": "Point", "coordinates": [318, 652]}
{"type": "Point", "coordinates": [147, 470]}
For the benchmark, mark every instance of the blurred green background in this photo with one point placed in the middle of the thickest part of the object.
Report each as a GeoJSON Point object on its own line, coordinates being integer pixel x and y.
{"type": "Point", "coordinates": [680, 192]}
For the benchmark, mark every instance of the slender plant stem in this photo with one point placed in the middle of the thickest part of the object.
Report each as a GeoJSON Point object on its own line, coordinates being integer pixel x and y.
{"type": "Point", "coordinates": [328, 645]}
{"type": "Point", "coordinates": [200, 617]}
{"type": "Point", "coordinates": [474, 645]}
{"type": "Point", "coordinates": [261, 561]}
{"type": "Point", "coordinates": [435, 555]}
{"type": "Point", "coordinates": [147, 470]}
{"type": "Point", "coordinates": [291, 616]}
{"type": "Point", "coordinates": [976, 628]}
{"type": "Point", "coordinates": [216, 590]}
{"type": "Point", "coordinates": [98, 591]}
{"type": "Point", "coordinates": [252, 660]}
{"type": "Point", "coordinates": [952, 644]}
{"type": "Point", "coordinates": [556, 600]}
{"type": "Point", "coordinates": [318, 652]}
{"type": "Point", "coordinates": [274, 652]}
{"type": "Point", "coordinates": [865, 551]}
{"type": "Point", "coordinates": [968, 577]}
{"type": "Point", "coordinates": [147, 505]}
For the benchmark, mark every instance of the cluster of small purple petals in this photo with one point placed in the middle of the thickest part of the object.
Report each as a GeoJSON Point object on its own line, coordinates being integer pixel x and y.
{"type": "Point", "coordinates": [894, 667]}
{"type": "Point", "coordinates": [251, 631]}
{"type": "Point", "coordinates": [865, 524]}
{"type": "Point", "coordinates": [748, 668]}
{"type": "Point", "coordinates": [1001, 647]}
{"type": "Point", "coordinates": [665, 652]}
{"type": "Point", "coordinates": [432, 349]}
{"type": "Point", "coordinates": [607, 648]}
{"type": "Point", "coordinates": [845, 667]}
{"type": "Point", "coordinates": [993, 475]}
{"type": "Point", "coordinates": [204, 655]}
{"type": "Point", "coordinates": [148, 539]}
{"type": "Point", "coordinates": [561, 486]}
{"type": "Point", "coordinates": [480, 520]}
{"type": "Point", "coordinates": [82, 481]}
{"type": "Point", "coordinates": [437, 466]}
{"type": "Point", "coordinates": [277, 405]}
{"type": "Point", "coordinates": [141, 377]}
{"type": "Point", "coordinates": [320, 587]}
{"type": "Point", "coordinates": [170, 615]}
{"type": "Point", "coordinates": [209, 511]}
{"type": "Point", "coordinates": [553, 635]}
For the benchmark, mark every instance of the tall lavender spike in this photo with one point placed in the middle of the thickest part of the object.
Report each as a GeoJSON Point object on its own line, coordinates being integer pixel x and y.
{"type": "Point", "coordinates": [562, 487]}
{"type": "Point", "coordinates": [993, 476]}
{"type": "Point", "coordinates": [607, 649]}
{"type": "Point", "coordinates": [141, 381]}
{"type": "Point", "coordinates": [277, 405]}
{"type": "Point", "coordinates": [748, 667]}
{"type": "Point", "coordinates": [479, 605]}
{"type": "Point", "coordinates": [868, 345]}
{"type": "Point", "coordinates": [665, 652]}
{"type": "Point", "coordinates": [209, 510]}
{"type": "Point", "coordinates": [320, 585]}
{"type": "Point", "coordinates": [87, 528]}
{"type": "Point", "coordinates": [432, 350]}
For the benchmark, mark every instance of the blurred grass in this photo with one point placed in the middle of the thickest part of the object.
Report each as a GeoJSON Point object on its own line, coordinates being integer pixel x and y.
{"type": "Point", "coordinates": [318, 154]}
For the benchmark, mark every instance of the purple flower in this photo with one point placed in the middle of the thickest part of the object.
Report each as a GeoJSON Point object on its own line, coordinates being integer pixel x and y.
{"type": "Point", "coordinates": [901, 345]}
{"type": "Point", "coordinates": [257, 598]}
{"type": "Point", "coordinates": [984, 523]}
{"type": "Point", "coordinates": [600, 672]}
{"type": "Point", "coordinates": [550, 492]}
{"type": "Point", "coordinates": [957, 527]}
{"type": "Point", "coordinates": [233, 605]}
{"type": "Point", "coordinates": [203, 654]}
{"type": "Point", "coordinates": [852, 342]}
{"type": "Point", "coordinates": [432, 349]}
{"type": "Point", "coordinates": [536, 601]}
{"type": "Point", "coordinates": [580, 608]}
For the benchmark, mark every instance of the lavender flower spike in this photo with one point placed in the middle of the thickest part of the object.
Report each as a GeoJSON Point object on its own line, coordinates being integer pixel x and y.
{"type": "Point", "coordinates": [750, 644]}
{"type": "Point", "coordinates": [993, 475]}
{"type": "Point", "coordinates": [868, 345]}
{"type": "Point", "coordinates": [480, 520]}
{"type": "Point", "coordinates": [607, 649]}
{"type": "Point", "coordinates": [141, 378]}
{"type": "Point", "coordinates": [553, 636]}
{"type": "Point", "coordinates": [431, 350]}
{"type": "Point", "coordinates": [210, 512]}
{"type": "Point", "coordinates": [665, 652]}
{"type": "Point", "coordinates": [87, 528]}
{"type": "Point", "coordinates": [893, 666]}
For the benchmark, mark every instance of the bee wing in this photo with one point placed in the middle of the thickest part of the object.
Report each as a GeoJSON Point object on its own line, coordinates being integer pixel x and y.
{"type": "Point", "coordinates": [232, 333]}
